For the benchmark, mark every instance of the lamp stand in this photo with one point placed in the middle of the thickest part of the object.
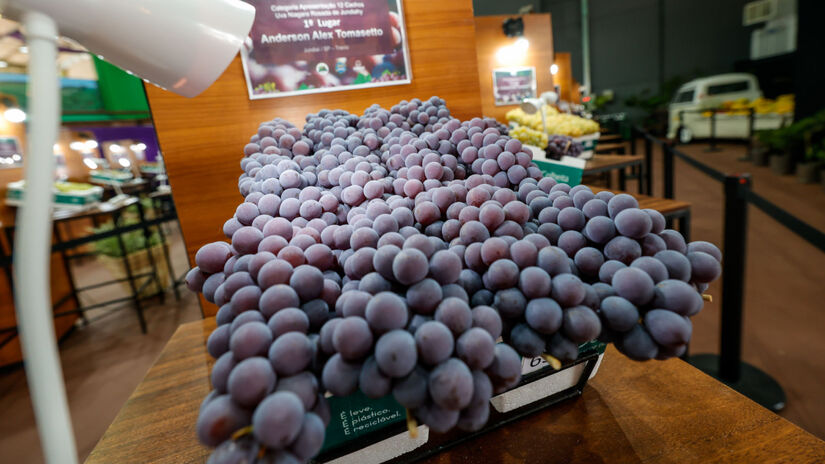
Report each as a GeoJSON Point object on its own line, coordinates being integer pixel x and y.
{"type": "Point", "coordinates": [32, 249]}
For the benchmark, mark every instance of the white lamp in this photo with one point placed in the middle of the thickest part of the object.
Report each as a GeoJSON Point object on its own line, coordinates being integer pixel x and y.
{"type": "Point", "coordinates": [549, 98]}
{"type": "Point", "coordinates": [181, 45]}
{"type": "Point", "coordinates": [533, 106]}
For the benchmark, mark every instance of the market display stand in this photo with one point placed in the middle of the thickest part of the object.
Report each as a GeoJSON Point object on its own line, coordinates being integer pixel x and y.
{"type": "Point", "coordinates": [630, 412]}
{"type": "Point", "coordinates": [599, 164]}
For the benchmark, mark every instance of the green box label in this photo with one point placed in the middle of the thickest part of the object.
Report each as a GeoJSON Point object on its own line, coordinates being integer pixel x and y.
{"type": "Point", "coordinates": [569, 175]}
{"type": "Point", "coordinates": [356, 415]}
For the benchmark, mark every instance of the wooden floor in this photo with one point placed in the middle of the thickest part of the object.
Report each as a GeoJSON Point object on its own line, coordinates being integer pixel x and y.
{"type": "Point", "coordinates": [784, 316]}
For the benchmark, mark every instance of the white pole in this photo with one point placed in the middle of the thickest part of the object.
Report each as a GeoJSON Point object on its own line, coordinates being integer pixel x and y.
{"type": "Point", "coordinates": [32, 249]}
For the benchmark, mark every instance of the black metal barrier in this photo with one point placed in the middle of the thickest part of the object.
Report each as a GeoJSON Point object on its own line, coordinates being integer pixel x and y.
{"type": "Point", "coordinates": [728, 365]}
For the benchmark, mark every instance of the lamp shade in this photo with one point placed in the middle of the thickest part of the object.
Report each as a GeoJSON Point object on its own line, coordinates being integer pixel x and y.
{"type": "Point", "coordinates": [180, 45]}
{"type": "Point", "coordinates": [531, 105]}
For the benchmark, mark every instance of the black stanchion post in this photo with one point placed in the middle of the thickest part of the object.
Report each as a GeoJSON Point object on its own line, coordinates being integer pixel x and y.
{"type": "Point", "coordinates": [712, 146]}
{"type": "Point", "coordinates": [668, 170]}
{"type": "Point", "coordinates": [733, 277]}
{"type": "Point", "coordinates": [681, 126]}
{"type": "Point", "coordinates": [749, 147]}
{"type": "Point", "coordinates": [728, 366]}
{"type": "Point", "coordinates": [648, 166]}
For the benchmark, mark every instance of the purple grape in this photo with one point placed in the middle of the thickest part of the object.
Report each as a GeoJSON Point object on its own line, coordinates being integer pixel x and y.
{"type": "Point", "coordinates": [581, 324]}
{"type": "Point", "coordinates": [288, 320]}
{"type": "Point", "coordinates": [277, 419]}
{"type": "Point", "coordinates": [526, 341]}
{"type": "Point", "coordinates": [396, 353]}
{"type": "Point", "coordinates": [219, 420]}
{"type": "Point", "coordinates": [251, 339]}
{"type": "Point", "coordinates": [633, 284]}
{"type": "Point", "coordinates": [619, 203]}
{"type": "Point", "coordinates": [455, 314]}
{"type": "Point", "coordinates": [340, 377]}
{"type": "Point", "coordinates": [668, 328]}
{"type": "Point", "coordinates": [372, 381]}
{"type": "Point", "coordinates": [488, 319]}
{"type": "Point", "coordinates": [435, 343]}
{"type": "Point", "coordinates": [211, 257]}
{"type": "Point", "coordinates": [677, 296]}
{"type": "Point", "coordinates": [543, 315]}
{"type": "Point", "coordinates": [678, 265]}
{"type": "Point", "coordinates": [705, 247]}
{"type": "Point", "coordinates": [451, 385]}
{"type": "Point", "coordinates": [410, 266]}
{"type": "Point", "coordinates": [250, 381]}
{"type": "Point", "coordinates": [424, 296]}
{"type": "Point", "coordinates": [674, 240]}
{"type": "Point", "coordinates": [652, 266]}
{"type": "Point", "coordinates": [589, 261]}
{"type": "Point", "coordinates": [567, 289]}
{"type": "Point", "coordinates": [619, 314]}
{"type": "Point", "coordinates": [386, 311]}
{"type": "Point", "coordinates": [411, 391]}
{"type": "Point", "coordinates": [534, 282]}
{"type": "Point", "coordinates": [622, 249]}
{"type": "Point", "coordinates": [704, 267]}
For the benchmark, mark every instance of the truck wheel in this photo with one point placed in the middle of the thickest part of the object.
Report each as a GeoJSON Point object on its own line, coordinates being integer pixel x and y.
{"type": "Point", "coordinates": [685, 135]}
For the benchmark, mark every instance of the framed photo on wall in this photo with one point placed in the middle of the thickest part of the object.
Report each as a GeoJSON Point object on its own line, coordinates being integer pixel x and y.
{"type": "Point", "coordinates": [308, 46]}
{"type": "Point", "coordinates": [512, 85]}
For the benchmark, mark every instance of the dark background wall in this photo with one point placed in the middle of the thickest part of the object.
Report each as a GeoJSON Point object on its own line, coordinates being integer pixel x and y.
{"type": "Point", "coordinates": [632, 50]}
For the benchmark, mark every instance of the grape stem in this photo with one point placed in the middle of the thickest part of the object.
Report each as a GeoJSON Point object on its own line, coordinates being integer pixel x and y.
{"type": "Point", "coordinates": [242, 432]}
{"type": "Point", "coordinates": [707, 297]}
{"type": "Point", "coordinates": [412, 425]}
{"type": "Point", "coordinates": [552, 360]}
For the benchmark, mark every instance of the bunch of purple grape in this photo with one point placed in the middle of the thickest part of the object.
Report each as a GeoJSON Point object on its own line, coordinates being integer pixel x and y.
{"type": "Point", "coordinates": [563, 145]}
{"type": "Point", "coordinates": [389, 252]}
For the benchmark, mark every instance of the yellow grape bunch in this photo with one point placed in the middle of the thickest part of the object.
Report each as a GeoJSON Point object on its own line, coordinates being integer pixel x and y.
{"type": "Point", "coordinates": [557, 123]}
{"type": "Point", "coordinates": [529, 136]}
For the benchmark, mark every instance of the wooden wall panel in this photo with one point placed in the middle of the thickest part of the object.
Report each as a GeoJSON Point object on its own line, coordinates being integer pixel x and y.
{"type": "Point", "coordinates": [202, 138]}
{"type": "Point", "coordinates": [568, 87]}
{"type": "Point", "coordinates": [489, 38]}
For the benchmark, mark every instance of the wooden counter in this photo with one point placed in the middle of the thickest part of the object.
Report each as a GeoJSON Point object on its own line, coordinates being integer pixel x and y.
{"type": "Point", "coordinates": [659, 412]}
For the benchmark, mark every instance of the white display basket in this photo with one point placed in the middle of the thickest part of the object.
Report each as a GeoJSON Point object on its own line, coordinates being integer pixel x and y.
{"type": "Point", "coordinates": [540, 388]}
{"type": "Point", "coordinates": [588, 142]}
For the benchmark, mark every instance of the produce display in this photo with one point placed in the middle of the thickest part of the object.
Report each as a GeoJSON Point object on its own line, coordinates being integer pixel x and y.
{"type": "Point", "coordinates": [562, 145]}
{"type": "Point", "coordinates": [534, 137]}
{"type": "Point", "coordinates": [390, 252]}
{"type": "Point", "coordinates": [784, 104]}
{"type": "Point", "coordinates": [556, 123]}
{"type": "Point", "coordinates": [66, 194]}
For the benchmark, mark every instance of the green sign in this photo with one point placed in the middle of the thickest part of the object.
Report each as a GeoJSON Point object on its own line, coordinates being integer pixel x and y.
{"type": "Point", "coordinates": [569, 175]}
{"type": "Point", "coordinates": [356, 415]}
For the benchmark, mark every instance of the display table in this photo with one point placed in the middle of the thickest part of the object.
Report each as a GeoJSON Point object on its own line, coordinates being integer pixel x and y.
{"type": "Point", "coordinates": [599, 164]}
{"type": "Point", "coordinates": [666, 412]}
{"type": "Point", "coordinates": [615, 147]}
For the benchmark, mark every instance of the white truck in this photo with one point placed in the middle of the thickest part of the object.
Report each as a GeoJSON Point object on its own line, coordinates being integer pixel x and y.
{"type": "Point", "coordinates": [687, 121]}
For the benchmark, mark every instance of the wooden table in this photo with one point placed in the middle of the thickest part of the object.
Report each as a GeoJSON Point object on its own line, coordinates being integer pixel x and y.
{"type": "Point", "coordinates": [616, 147]}
{"type": "Point", "coordinates": [658, 412]}
{"type": "Point", "coordinates": [599, 164]}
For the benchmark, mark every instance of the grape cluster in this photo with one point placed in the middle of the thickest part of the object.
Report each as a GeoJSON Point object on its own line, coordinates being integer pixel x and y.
{"type": "Point", "coordinates": [563, 145]}
{"type": "Point", "coordinates": [388, 252]}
